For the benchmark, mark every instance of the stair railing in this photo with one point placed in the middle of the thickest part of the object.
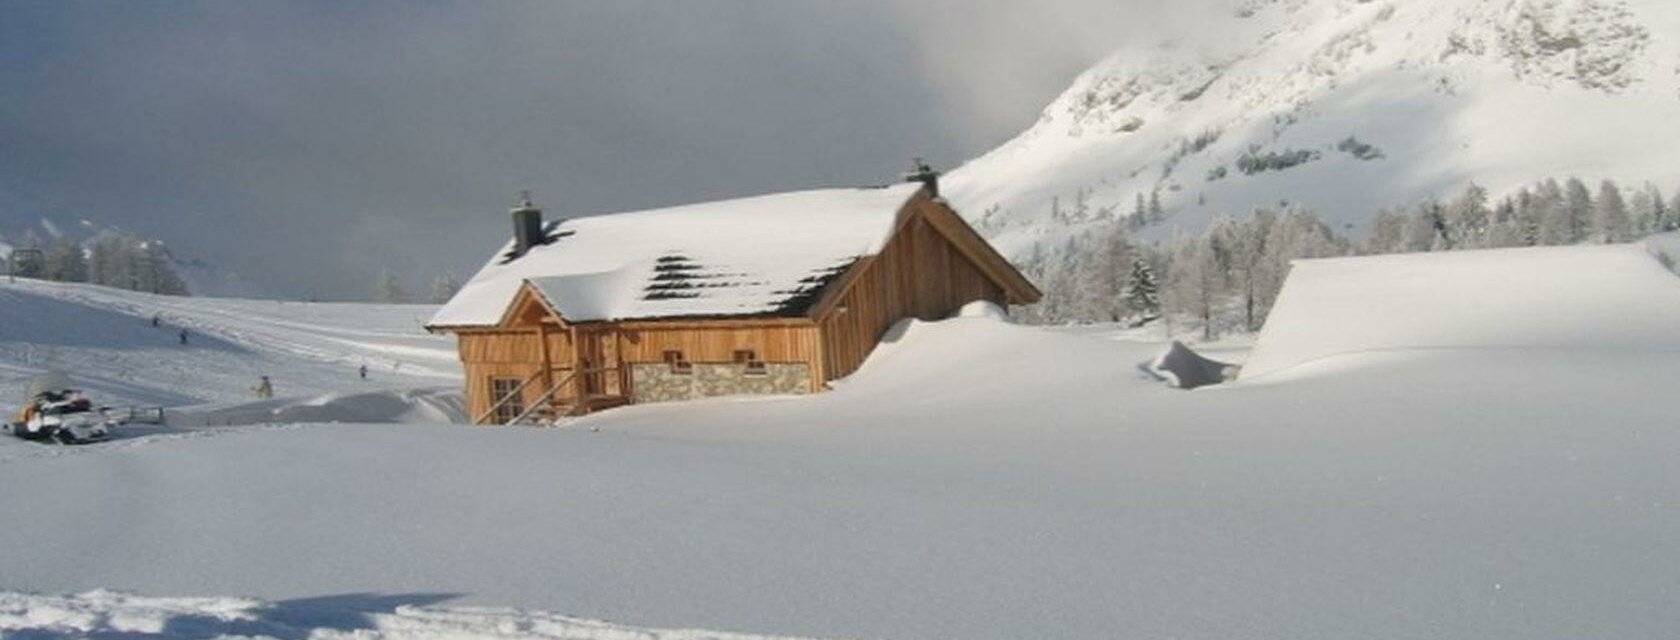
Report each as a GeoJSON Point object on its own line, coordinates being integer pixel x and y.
{"type": "Point", "coordinates": [545, 399]}
{"type": "Point", "coordinates": [507, 398]}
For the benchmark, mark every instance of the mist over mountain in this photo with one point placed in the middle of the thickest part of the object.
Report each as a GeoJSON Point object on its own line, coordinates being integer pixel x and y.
{"type": "Point", "coordinates": [56, 234]}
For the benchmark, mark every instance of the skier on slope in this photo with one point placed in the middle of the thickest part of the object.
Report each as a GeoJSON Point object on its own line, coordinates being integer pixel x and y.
{"type": "Point", "coordinates": [264, 388]}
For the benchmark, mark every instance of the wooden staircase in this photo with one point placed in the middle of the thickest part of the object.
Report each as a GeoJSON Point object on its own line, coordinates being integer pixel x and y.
{"type": "Point", "coordinates": [552, 406]}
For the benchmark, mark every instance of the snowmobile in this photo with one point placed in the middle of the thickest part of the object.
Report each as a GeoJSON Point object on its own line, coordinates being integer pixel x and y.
{"type": "Point", "coordinates": [55, 412]}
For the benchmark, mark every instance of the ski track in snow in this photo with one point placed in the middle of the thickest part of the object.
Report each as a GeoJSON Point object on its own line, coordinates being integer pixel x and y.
{"type": "Point", "coordinates": [104, 339]}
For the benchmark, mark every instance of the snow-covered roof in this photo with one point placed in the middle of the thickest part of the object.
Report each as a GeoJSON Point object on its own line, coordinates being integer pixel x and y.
{"type": "Point", "coordinates": [1601, 297]}
{"type": "Point", "coordinates": [759, 256]}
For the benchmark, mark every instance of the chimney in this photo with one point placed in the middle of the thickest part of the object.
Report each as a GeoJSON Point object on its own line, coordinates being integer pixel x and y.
{"type": "Point", "coordinates": [926, 175]}
{"type": "Point", "coordinates": [527, 225]}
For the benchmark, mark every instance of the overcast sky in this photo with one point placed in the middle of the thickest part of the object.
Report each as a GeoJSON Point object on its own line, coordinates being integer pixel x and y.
{"type": "Point", "coordinates": [305, 145]}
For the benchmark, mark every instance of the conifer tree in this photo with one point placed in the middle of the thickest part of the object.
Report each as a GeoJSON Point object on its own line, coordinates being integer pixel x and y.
{"type": "Point", "coordinates": [444, 288]}
{"type": "Point", "coordinates": [28, 262]}
{"type": "Point", "coordinates": [1553, 213]}
{"type": "Point", "coordinates": [1143, 294]}
{"type": "Point", "coordinates": [66, 263]}
{"type": "Point", "coordinates": [1610, 214]}
{"type": "Point", "coordinates": [1578, 207]}
{"type": "Point", "coordinates": [388, 289]}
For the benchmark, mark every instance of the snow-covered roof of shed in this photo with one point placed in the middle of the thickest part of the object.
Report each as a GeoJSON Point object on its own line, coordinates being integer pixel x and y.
{"type": "Point", "coordinates": [1597, 296]}
{"type": "Point", "coordinates": [759, 256]}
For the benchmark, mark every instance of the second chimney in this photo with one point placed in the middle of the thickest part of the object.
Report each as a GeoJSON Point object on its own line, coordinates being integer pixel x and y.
{"type": "Point", "coordinates": [527, 225]}
{"type": "Point", "coordinates": [926, 175]}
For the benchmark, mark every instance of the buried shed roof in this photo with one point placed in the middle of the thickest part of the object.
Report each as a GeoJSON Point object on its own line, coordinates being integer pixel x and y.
{"type": "Point", "coordinates": [1601, 297]}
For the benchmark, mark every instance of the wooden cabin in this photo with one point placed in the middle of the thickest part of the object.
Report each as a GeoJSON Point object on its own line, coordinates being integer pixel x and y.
{"type": "Point", "coordinates": [775, 294]}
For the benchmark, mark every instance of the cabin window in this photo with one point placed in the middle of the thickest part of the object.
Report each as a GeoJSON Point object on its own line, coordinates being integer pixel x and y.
{"type": "Point", "coordinates": [750, 364]}
{"type": "Point", "coordinates": [678, 363]}
{"type": "Point", "coordinates": [500, 389]}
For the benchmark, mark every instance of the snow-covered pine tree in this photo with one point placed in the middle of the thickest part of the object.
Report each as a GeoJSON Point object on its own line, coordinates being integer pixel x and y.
{"type": "Point", "coordinates": [388, 289]}
{"type": "Point", "coordinates": [444, 287]}
{"type": "Point", "coordinates": [1247, 244]}
{"type": "Point", "coordinates": [1467, 218]}
{"type": "Point", "coordinates": [1081, 205]}
{"type": "Point", "coordinates": [66, 262]}
{"type": "Point", "coordinates": [1579, 207]}
{"type": "Point", "coordinates": [1195, 284]}
{"type": "Point", "coordinates": [1645, 210]}
{"type": "Point", "coordinates": [1143, 293]}
{"type": "Point", "coordinates": [1555, 223]}
{"type": "Point", "coordinates": [1528, 218]}
{"type": "Point", "coordinates": [1505, 229]}
{"type": "Point", "coordinates": [1610, 214]}
{"type": "Point", "coordinates": [1673, 218]}
{"type": "Point", "coordinates": [30, 261]}
{"type": "Point", "coordinates": [156, 269]}
{"type": "Point", "coordinates": [1661, 208]}
{"type": "Point", "coordinates": [1156, 213]}
{"type": "Point", "coordinates": [1104, 276]}
{"type": "Point", "coordinates": [1388, 233]}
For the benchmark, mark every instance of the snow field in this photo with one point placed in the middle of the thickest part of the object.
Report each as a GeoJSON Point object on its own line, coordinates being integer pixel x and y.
{"type": "Point", "coordinates": [104, 339]}
{"type": "Point", "coordinates": [974, 479]}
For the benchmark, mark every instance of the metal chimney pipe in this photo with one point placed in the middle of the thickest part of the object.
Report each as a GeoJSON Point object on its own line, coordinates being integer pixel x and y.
{"type": "Point", "coordinates": [527, 224]}
{"type": "Point", "coordinates": [926, 175]}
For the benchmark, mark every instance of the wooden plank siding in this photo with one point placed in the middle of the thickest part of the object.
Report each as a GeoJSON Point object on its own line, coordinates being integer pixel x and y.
{"type": "Point", "coordinates": [780, 343]}
{"type": "Point", "coordinates": [919, 273]}
{"type": "Point", "coordinates": [512, 352]}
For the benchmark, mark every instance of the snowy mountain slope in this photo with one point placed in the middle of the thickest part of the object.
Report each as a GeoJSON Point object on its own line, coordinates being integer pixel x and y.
{"type": "Point", "coordinates": [202, 278]}
{"type": "Point", "coordinates": [103, 337]}
{"type": "Point", "coordinates": [1345, 106]}
{"type": "Point", "coordinates": [349, 617]}
{"type": "Point", "coordinates": [1527, 493]}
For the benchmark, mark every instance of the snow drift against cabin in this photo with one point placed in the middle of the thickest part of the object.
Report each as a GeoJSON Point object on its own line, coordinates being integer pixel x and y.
{"type": "Point", "coordinates": [748, 256]}
{"type": "Point", "coordinates": [1605, 297]}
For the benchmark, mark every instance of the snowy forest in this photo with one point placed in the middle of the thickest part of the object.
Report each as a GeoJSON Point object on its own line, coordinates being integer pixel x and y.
{"type": "Point", "coordinates": [111, 259]}
{"type": "Point", "coordinates": [1226, 278]}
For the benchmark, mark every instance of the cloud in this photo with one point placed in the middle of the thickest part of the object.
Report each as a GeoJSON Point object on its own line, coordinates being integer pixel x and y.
{"type": "Point", "coordinates": [307, 145]}
{"type": "Point", "coordinates": [997, 62]}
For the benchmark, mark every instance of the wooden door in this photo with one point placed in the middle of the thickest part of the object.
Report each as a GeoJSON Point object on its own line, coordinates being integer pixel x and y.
{"type": "Point", "coordinates": [598, 357]}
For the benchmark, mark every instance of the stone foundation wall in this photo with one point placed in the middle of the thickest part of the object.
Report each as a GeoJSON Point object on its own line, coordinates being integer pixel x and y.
{"type": "Point", "coordinates": [657, 383]}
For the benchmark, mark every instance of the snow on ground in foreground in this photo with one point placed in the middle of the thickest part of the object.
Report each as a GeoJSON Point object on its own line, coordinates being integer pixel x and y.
{"type": "Point", "coordinates": [355, 616]}
{"type": "Point", "coordinates": [976, 480]}
{"type": "Point", "coordinates": [1589, 297]}
{"type": "Point", "coordinates": [104, 339]}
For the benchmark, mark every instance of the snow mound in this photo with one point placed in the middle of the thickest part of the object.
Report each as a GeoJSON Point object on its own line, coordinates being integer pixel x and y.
{"type": "Point", "coordinates": [982, 309]}
{"type": "Point", "coordinates": [1616, 297]}
{"type": "Point", "coordinates": [103, 613]}
{"type": "Point", "coordinates": [1665, 247]}
{"type": "Point", "coordinates": [1186, 369]}
{"type": "Point", "coordinates": [438, 405]}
